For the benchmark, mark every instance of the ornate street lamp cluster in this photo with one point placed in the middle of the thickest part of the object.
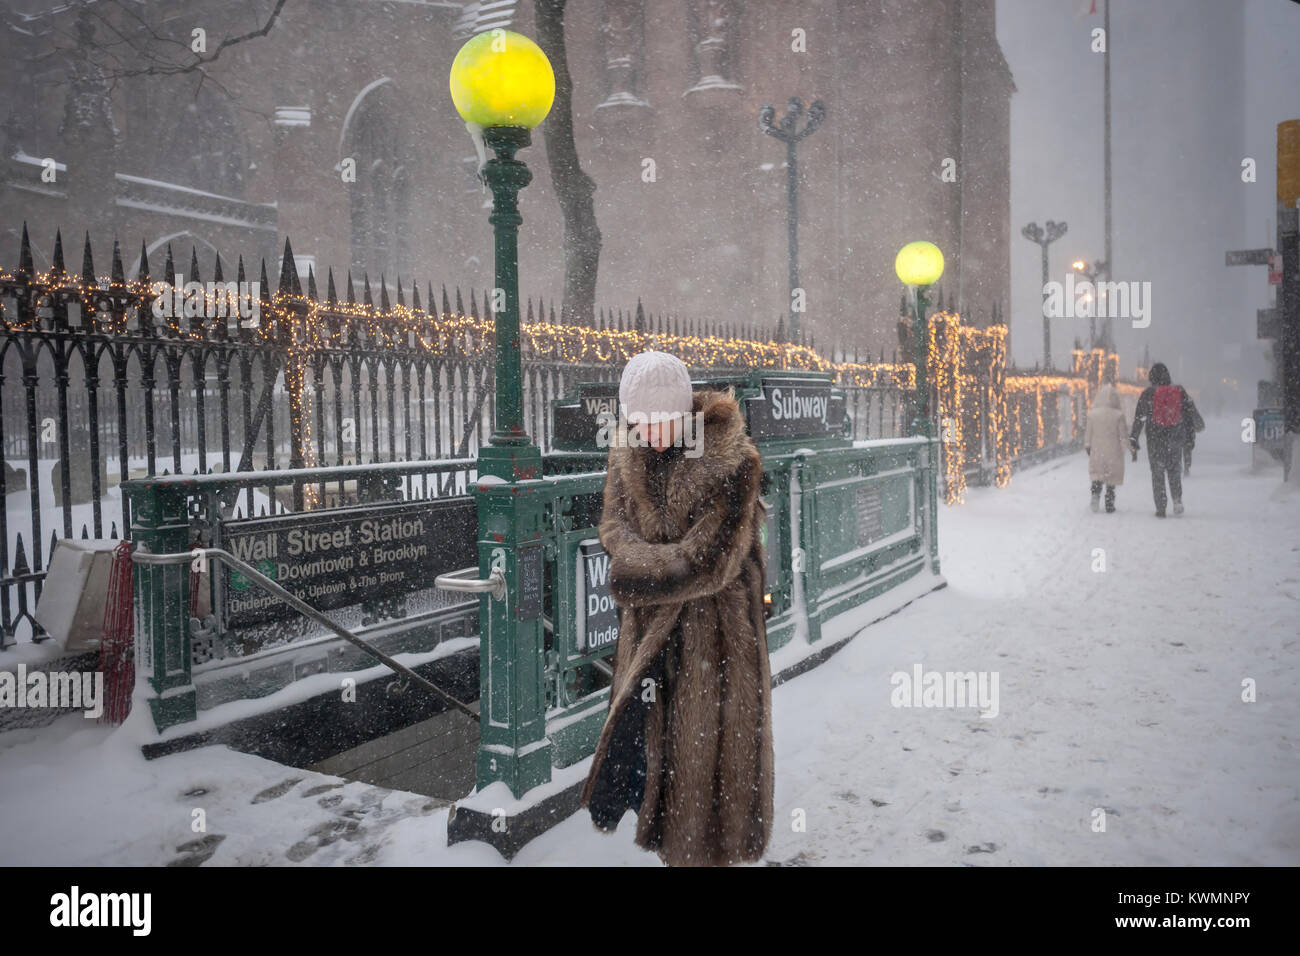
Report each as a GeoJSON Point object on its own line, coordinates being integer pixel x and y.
{"type": "Point", "coordinates": [789, 132]}
{"type": "Point", "coordinates": [1044, 237]}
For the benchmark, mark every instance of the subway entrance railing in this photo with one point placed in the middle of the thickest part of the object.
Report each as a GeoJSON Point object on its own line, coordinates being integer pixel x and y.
{"type": "Point", "coordinates": [847, 521]}
{"type": "Point", "coordinates": [207, 634]}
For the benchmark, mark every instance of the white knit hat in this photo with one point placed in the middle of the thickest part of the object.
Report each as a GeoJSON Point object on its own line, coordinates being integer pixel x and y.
{"type": "Point", "coordinates": [656, 385]}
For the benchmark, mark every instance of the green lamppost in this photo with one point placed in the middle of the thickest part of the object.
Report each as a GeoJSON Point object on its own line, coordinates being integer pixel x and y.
{"type": "Point", "coordinates": [503, 87]}
{"type": "Point", "coordinates": [919, 265]}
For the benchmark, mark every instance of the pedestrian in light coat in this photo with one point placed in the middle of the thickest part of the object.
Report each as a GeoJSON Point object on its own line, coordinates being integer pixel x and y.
{"type": "Point", "coordinates": [1105, 439]}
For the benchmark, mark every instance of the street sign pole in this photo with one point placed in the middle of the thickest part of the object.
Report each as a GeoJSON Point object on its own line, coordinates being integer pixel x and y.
{"type": "Point", "coordinates": [1288, 302]}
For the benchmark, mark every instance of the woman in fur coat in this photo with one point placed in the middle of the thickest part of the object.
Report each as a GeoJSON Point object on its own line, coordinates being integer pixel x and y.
{"type": "Point", "coordinates": [687, 742]}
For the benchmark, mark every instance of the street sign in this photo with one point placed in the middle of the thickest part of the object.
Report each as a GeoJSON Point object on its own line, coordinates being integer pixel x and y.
{"type": "Point", "coordinates": [576, 422]}
{"type": "Point", "coordinates": [869, 506]}
{"type": "Point", "coordinates": [777, 405]}
{"type": "Point", "coordinates": [795, 408]}
{"type": "Point", "coordinates": [1267, 325]}
{"type": "Point", "coordinates": [1269, 394]}
{"type": "Point", "coordinates": [597, 613]}
{"type": "Point", "coordinates": [1248, 257]}
{"type": "Point", "coordinates": [1270, 426]}
{"type": "Point", "coordinates": [336, 558]}
{"type": "Point", "coordinates": [1275, 269]}
{"type": "Point", "coordinates": [531, 577]}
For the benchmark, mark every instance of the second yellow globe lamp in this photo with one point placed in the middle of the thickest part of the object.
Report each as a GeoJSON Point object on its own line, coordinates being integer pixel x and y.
{"type": "Point", "coordinates": [919, 265]}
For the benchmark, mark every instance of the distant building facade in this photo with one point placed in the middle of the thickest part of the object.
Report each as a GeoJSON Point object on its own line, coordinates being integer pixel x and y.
{"type": "Point", "coordinates": [690, 194]}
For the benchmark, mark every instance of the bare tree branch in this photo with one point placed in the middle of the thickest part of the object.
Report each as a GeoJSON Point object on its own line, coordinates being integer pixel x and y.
{"type": "Point", "coordinates": [132, 39]}
{"type": "Point", "coordinates": [574, 189]}
{"type": "Point", "coordinates": [144, 43]}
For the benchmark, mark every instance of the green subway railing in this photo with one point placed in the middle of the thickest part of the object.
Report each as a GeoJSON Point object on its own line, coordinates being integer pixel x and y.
{"type": "Point", "coordinates": [846, 522]}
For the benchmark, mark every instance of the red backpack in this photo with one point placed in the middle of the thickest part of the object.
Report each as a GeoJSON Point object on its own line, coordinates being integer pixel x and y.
{"type": "Point", "coordinates": [1167, 406]}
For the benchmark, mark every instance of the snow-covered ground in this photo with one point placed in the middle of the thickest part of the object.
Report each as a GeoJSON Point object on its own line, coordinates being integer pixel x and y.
{"type": "Point", "coordinates": [1118, 691]}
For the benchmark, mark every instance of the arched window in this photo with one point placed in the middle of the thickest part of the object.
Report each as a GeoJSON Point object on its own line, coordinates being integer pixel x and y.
{"type": "Point", "coordinates": [375, 140]}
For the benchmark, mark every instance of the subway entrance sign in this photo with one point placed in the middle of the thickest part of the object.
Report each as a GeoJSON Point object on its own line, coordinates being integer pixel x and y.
{"type": "Point", "coordinates": [599, 628]}
{"type": "Point", "coordinates": [337, 558]}
{"type": "Point", "coordinates": [792, 405]}
{"type": "Point", "coordinates": [779, 406]}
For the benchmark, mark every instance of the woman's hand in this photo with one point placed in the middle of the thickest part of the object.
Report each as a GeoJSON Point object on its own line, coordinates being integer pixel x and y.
{"type": "Point", "coordinates": [630, 579]}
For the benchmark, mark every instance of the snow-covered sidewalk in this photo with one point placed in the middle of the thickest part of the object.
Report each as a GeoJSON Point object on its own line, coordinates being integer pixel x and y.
{"type": "Point", "coordinates": [1119, 691]}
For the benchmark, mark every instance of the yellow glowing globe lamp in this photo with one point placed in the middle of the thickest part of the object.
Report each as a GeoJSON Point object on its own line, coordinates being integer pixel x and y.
{"type": "Point", "coordinates": [919, 263]}
{"type": "Point", "coordinates": [502, 78]}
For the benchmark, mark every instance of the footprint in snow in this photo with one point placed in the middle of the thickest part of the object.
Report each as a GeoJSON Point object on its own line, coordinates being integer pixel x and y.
{"type": "Point", "coordinates": [322, 836]}
{"type": "Point", "coordinates": [197, 852]}
{"type": "Point", "coordinates": [279, 790]}
{"type": "Point", "coordinates": [323, 788]}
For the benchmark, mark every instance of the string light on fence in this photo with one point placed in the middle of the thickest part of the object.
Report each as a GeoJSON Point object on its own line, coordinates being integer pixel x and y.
{"type": "Point", "coordinates": [958, 357]}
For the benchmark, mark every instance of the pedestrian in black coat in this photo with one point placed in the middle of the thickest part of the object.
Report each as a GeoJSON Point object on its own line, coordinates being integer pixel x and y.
{"type": "Point", "coordinates": [1195, 423]}
{"type": "Point", "coordinates": [1170, 418]}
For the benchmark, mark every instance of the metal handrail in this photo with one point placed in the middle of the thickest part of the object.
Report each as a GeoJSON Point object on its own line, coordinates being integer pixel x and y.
{"type": "Point", "coordinates": [494, 583]}
{"type": "Point", "coordinates": [141, 556]}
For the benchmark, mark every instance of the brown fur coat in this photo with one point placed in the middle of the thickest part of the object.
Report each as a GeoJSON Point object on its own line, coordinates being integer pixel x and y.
{"type": "Point", "coordinates": [688, 578]}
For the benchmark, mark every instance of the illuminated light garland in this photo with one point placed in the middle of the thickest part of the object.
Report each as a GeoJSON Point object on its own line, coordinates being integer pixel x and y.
{"type": "Point", "coordinates": [955, 359]}
{"type": "Point", "coordinates": [305, 326]}
{"type": "Point", "coordinates": [313, 325]}
{"type": "Point", "coordinates": [997, 403]}
{"type": "Point", "coordinates": [1038, 415]}
{"type": "Point", "coordinates": [956, 374]}
{"type": "Point", "coordinates": [945, 354]}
